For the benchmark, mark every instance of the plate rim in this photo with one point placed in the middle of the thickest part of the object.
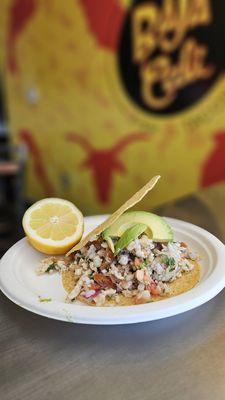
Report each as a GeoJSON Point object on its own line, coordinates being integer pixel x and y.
{"type": "Point", "coordinates": [120, 315]}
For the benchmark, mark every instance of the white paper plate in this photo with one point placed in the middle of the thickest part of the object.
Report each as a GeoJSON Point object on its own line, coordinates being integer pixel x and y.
{"type": "Point", "coordinates": [20, 284]}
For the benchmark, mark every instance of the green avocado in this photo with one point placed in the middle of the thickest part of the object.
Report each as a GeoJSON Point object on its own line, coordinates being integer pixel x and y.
{"type": "Point", "coordinates": [157, 228]}
{"type": "Point", "coordinates": [129, 235]}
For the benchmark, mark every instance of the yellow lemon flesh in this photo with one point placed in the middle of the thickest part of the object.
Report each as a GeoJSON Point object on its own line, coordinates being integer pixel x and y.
{"type": "Point", "coordinates": [53, 225]}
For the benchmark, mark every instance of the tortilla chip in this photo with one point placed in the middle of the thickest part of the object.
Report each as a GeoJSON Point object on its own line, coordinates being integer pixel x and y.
{"type": "Point", "coordinates": [181, 285]}
{"type": "Point", "coordinates": [68, 280]}
{"type": "Point", "coordinates": [138, 196]}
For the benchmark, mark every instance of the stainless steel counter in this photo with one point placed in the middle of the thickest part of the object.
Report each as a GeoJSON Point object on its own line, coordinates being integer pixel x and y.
{"type": "Point", "coordinates": [179, 358]}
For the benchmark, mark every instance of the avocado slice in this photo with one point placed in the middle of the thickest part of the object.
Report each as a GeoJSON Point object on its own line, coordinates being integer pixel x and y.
{"type": "Point", "coordinates": [157, 228]}
{"type": "Point", "coordinates": [129, 235]}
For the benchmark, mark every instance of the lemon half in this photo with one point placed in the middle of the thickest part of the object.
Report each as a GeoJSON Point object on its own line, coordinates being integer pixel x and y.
{"type": "Point", "coordinates": [53, 225]}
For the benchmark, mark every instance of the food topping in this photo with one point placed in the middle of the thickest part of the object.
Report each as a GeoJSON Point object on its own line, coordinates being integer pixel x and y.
{"type": "Point", "coordinates": [141, 270]}
{"type": "Point", "coordinates": [53, 225]}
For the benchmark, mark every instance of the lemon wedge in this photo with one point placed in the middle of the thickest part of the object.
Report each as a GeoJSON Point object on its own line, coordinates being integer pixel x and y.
{"type": "Point", "coordinates": [53, 225]}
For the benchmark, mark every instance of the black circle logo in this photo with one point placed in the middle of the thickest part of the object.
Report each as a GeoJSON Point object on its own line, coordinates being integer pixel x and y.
{"type": "Point", "coordinates": [171, 52]}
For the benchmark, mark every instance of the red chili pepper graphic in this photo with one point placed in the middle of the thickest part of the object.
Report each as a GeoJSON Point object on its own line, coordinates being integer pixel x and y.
{"type": "Point", "coordinates": [104, 162]}
{"type": "Point", "coordinates": [27, 138]}
{"type": "Point", "coordinates": [214, 166]}
{"type": "Point", "coordinates": [21, 12]}
{"type": "Point", "coordinates": [105, 19]}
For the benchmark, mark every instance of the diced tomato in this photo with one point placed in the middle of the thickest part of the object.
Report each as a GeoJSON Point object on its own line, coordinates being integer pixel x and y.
{"type": "Point", "coordinates": [95, 286]}
{"type": "Point", "coordinates": [104, 281]}
{"type": "Point", "coordinates": [113, 278]}
{"type": "Point", "coordinates": [154, 289]}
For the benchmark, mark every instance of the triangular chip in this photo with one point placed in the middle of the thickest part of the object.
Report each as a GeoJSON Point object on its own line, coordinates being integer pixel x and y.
{"type": "Point", "coordinates": [138, 196]}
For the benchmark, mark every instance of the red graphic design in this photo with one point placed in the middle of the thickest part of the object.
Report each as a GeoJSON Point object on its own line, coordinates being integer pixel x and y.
{"type": "Point", "coordinates": [105, 19]}
{"type": "Point", "coordinates": [214, 167]}
{"type": "Point", "coordinates": [105, 162]}
{"type": "Point", "coordinates": [21, 12]}
{"type": "Point", "coordinates": [27, 138]}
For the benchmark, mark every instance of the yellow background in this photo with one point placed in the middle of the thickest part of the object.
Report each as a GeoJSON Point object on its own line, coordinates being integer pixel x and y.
{"type": "Point", "coordinates": [77, 89]}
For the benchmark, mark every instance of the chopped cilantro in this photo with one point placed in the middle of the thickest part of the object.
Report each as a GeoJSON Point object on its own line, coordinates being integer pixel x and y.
{"type": "Point", "coordinates": [51, 267]}
{"type": "Point", "coordinates": [143, 264]}
{"type": "Point", "coordinates": [169, 261]}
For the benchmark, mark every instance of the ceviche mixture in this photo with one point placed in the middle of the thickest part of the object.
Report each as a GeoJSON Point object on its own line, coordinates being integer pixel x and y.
{"type": "Point", "coordinates": [141, 270]}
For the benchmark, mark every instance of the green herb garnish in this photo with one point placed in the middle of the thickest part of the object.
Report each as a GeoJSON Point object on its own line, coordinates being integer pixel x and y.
{"type": "Point", "coordinates": [44, 299]}
{"type": "Point", "coordinates": [169, 261]}
{"type": "Point", "coordinates": [143, 264]}
{"type": "Point", "coordinates": [51, 267]}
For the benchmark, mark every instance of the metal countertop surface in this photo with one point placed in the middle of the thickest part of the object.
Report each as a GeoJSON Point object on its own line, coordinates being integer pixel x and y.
{"type": "Point", "coordinates": [177, 358]}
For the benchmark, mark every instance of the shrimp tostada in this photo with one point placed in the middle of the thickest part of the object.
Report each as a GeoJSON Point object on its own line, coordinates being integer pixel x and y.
{"type": "Point", "coordinates": [132, 258]}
